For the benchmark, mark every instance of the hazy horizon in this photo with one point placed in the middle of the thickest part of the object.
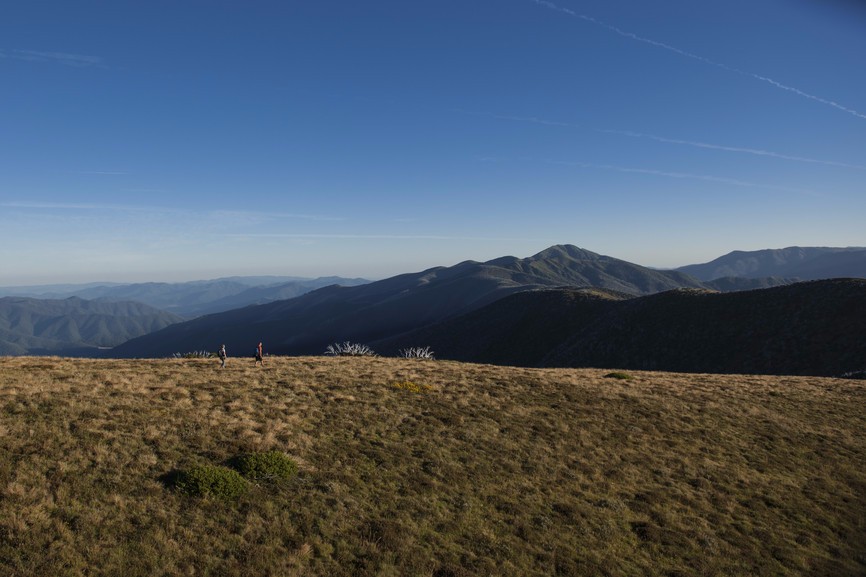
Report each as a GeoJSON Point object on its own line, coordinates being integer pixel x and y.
{"type": "Point", "coordinates": [214, 275]}
{"type": "Point", "coordinates": [222, 276]}
{"type": "Point", "coordinates": [172, 141]}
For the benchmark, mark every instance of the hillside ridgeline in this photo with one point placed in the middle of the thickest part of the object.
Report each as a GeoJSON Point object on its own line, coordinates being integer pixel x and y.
{"type": "Point", "coordinates": [810, 328]}
{"type": "Point", "coordinates": [73, 326]}
{"type": "Point", "coordinates": [795, 262]}
{"type": "Point", "coordinates": [386, 308]}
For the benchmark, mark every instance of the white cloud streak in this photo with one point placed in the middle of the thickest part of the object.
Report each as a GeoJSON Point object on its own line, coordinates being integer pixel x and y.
{"type": "Point", "coordinates": [699, 58]}
{"type": "Point", "coordinates": [83, 206]}
{"type": "Point", "coordinates": [219, 214]}
{"type": "Point", "coordinates": [242, 214]}
{"type": "Point", "coordinates": [65, 58]}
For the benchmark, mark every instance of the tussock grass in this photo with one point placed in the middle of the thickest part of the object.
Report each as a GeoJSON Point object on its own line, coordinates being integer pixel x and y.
{"type": "Point", "coordinates": [411, 386]}
{"type": "Point", "coordinates": [493, 471]}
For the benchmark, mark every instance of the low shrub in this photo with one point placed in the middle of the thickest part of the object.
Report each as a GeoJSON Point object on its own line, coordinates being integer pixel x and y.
{"type": "Point", "coordinates": [620, 376]}
{"type": "Point", "coordinates": [417, 353]}
{"type": "Point", "coordinates": [347, 349]}
{"type": "Point", "coordinates": [214, 481]}
{"type": "Point", "coordinates": [268, 466]}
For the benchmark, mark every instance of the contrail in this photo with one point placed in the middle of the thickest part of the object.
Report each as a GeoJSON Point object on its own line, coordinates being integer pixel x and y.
{"type": "Point", "coordinates": [743, 150]}
{"type": "Point", "coordinates": [683, 175]}
{"type": "Point", "coordinates": [703, 59]}
{"type": "Point", "coordinates": [692, 143]}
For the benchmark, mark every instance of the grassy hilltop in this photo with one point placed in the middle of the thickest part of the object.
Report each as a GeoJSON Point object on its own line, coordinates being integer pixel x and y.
{"type": "Point", "coordinates": [428, 468]}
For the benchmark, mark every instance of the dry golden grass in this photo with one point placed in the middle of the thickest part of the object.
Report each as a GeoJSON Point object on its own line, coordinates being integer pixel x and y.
{"type": "Point", "coordinates": [471, 470]}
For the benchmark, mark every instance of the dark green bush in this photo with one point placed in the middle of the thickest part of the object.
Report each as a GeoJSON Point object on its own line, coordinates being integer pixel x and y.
{"type": "Point", "coordinates": [269, 466]}
{"type": "Point", "coordinates": [211, 481]}
{"type": "Point", "coordinates": [621, 376]}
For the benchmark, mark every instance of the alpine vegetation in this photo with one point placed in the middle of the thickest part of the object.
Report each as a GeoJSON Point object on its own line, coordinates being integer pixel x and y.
{"type": "Point", "coordinates": [382, 466]}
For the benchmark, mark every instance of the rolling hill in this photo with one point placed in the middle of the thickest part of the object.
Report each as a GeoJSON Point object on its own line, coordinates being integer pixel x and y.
{"type": "Point", "coordinates": [803, 263]}
{"type": "Point", "coordinates": [73, 325]}
{"type": "Point", "coordinates": [810, 328]}
{"type": "Point", "coordinates": [386, 308]}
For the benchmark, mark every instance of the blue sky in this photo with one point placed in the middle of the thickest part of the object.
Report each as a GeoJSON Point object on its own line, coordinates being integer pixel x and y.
{"type": "Point", "coordinates": [179, 140]}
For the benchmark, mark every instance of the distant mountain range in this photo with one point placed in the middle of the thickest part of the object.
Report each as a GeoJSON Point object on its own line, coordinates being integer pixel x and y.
{"type": "Point", "coordinates": [799, 263]}
{"type": "Point", "coordinates": [809, 328]}
{"type": "Point", "coordinates": [387, 308]}
{"type": "Point", "coordinates": [189, 299]}
{"type": "Point", "coordinates": [307, 324]}
{"type": "Point", "coordinates": [299, 318]}
{"type": "Point", "coordinates": [73, 326]}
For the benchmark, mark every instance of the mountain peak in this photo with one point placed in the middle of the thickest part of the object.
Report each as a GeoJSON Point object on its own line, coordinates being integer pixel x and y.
{"type": "Point", "coordinates": [569, 251]}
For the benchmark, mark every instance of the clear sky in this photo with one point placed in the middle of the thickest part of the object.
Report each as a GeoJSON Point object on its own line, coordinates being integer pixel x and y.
{"type": "Point", "coordinates": [187, 139]}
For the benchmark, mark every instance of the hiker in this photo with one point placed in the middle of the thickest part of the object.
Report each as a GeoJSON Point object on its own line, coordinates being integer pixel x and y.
{"type": "Point", "coordinates": [259, 358]}
{"type": "Point", "coordinates": [222, 356]}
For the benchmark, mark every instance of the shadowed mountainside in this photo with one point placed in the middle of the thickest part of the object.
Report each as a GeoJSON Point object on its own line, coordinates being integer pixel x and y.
{"type": "Point", "coordinates": [804, 263]}
{"type": "Point", "coordinates": [305, 325]}
{"type": "Point", "coordinates": [810, 328]}
{"type": "Point", "coordinates": [73, 325]}
{"type": "Point", "coordinates": [737, 283]}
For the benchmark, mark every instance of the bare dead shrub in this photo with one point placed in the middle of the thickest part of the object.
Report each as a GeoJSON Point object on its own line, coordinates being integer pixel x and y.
{"type": "Point", "coordinates": [349, 349]}
{"type": "Point", "coordinates": [417, 353]}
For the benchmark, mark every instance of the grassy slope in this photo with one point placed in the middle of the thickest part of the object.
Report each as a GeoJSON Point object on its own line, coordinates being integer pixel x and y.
{"type": "Point", "coordinates": [490, 471]}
